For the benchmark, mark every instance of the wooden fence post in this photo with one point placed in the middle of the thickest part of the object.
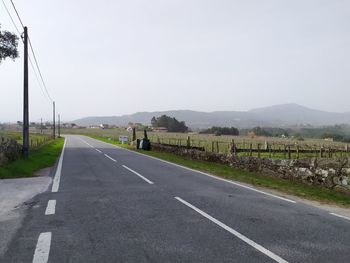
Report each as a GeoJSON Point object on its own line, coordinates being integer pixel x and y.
{"type": "Point", "coordinates": [321, 152]}
{"type": "Point", "coordinates": [289, 152]}
{"type": "Point", "coordinates": [250, 149]}
{"type": "Point", "coordinates": [297, 151]}
{"type": "Point", "coordinates": [233, 147]}
{"type": "Point", "coordinates": [258, 150]}
{"type": "Point", "coordinates": [188, 142]}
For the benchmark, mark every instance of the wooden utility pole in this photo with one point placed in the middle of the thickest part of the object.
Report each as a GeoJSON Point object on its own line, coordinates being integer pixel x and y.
{"type": "Point", "coordinates": [53, 121]}
{"type": "Point", "coordinates": [25, 147]}
{"type": "Point", "coordinates": [41, 125]}
{"type": "Point", "coordinates": [59, 126]}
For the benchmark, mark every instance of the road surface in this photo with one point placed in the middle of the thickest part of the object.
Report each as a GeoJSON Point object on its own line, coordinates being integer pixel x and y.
{"type": "Point", "coordinates": [108, 204]}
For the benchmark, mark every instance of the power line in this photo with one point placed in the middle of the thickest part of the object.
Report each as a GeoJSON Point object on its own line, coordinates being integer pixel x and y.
{"type": "Point", "coordinates": [37, 65]}
{"type": "Point", "coordinates": [30, 60]}
{"type": "Point", "coordinates": [31, 47]}
{"type": "Point", "coordinates": [37, 78]}
{"type": "Point", "coordinates": [13, 22]}
{"type": "Point", "coordinates": [19, 18]}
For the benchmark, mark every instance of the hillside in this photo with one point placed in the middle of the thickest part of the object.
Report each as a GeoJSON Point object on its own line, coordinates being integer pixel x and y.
{"type": "Point", "coordinates": [278, 115]}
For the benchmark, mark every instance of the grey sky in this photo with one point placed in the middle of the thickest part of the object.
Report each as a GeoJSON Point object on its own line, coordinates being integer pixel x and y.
{"type": "Point", "coordinates": [119, 57]}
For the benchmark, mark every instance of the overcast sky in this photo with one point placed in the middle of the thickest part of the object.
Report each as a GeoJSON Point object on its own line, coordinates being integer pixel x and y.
{"type": "Point", "coordinates": [118, 57]}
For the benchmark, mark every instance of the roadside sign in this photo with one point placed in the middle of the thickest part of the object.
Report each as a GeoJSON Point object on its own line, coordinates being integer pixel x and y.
{"type": "Point", "coordinates": [123, 138]}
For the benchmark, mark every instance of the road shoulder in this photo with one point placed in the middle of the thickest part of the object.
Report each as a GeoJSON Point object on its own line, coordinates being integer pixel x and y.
{"type": "Point", "coordinates": [15, 199]}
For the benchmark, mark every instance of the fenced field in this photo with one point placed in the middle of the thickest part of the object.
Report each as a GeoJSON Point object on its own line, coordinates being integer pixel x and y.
{"type": "Point", "coordinates": [288, 148]}
{"type": "Point", "coordinates": [36, 140]}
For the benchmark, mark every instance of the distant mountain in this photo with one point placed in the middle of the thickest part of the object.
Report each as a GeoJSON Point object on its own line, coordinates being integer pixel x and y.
{"type": "Point", "coordinates": [294, 114]}
{"type": "Point", "coordinates": [277, 116]}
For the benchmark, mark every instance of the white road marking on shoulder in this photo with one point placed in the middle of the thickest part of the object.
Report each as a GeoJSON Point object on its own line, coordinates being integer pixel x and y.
{"type": "Point", "coordinates": [345, 217]}
{"type": "Point", "coordinates": [235, 233]}
{"type": "Point", "coordinates": [139, 175]}
{"type": "Point", "coordinates": [98, 150]}
{"type": "Point", "coordinates": [51, 207]}
{"type": "Point", "coordinates": [57, 178]}
{"type": "Point", "coordinates": [109, 157]}
{"type": "Point", "coordinates": [42, 250]}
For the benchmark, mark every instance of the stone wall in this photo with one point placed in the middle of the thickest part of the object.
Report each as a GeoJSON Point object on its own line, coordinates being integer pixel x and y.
{"type": "Point", "coordinates": [10, 150]}
{"type": "Point", "coordinates": [328, 173]}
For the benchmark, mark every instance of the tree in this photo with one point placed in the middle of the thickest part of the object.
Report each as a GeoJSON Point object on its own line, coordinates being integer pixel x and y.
{"type": "Point", "coordinates": [221, 131]}
{"type": "Point", "coordinates": [8, 45]}
{"type": "Point", "coordinates": [258, 131]}
{"type": "Point", "coordinates": [172, 124]}
{"type": "Point", "coordinates": [154, 122]}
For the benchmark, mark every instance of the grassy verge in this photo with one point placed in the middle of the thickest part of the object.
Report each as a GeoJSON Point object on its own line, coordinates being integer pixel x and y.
{"type": "Point", "coordinates": [295, 188]}
{"type": "Point", "coordinates": [43, 157]}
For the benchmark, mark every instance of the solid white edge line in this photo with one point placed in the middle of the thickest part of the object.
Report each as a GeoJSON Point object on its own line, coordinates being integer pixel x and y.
{"type": "Point", "coordinates": [139, 175]}
{"type": "Point", "coordinates": [51, 207]}
{"type": "Point", "coordinates": [209, 175]}
{"type": "Point", "coordinates": [337, 215]}
{"type": "Point", "coordinates": [57, 178]}
{"type": "Point", "coordinates": [235, 233]}
{"type": "Point", "coordinates": [42, 250]}
{"type": "Point", "coordinates": [98, 150]}
{"type": "Point", "coordinates": [109, 157]}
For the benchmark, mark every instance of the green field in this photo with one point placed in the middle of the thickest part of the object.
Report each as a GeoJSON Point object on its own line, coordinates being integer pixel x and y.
{"type": "Point", "coordinates": [42, 157]}
{"type": "Point", "coordinates": [36, 140]}
{"type": "Point", "coordinates": [222, 143]}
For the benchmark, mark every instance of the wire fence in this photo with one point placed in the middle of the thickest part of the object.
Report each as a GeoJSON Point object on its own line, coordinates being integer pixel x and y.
{"type": "Point", "coordinates": [11, 147]}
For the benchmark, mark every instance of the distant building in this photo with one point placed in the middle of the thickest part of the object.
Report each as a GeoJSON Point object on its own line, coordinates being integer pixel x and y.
{"type": "Point", "coordinates": [160, 129]}
{"type": "Point", "coordinates": [329, 139]}
{"type": "Point", "coordinates": [104, 126]}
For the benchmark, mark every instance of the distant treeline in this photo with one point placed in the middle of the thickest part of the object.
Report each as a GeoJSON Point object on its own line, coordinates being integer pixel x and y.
{"type": "Point", "coordinates": [221, 131]}
{"type": "Point", "coordinates": [339, 133]}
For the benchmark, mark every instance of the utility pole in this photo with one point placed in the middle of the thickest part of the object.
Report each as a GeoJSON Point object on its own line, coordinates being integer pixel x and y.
{"type": "Point", "coordinates": [41, 125]}
{"type": "Point", "coordinates": [59, 126]}
{"type": "Point", "coordinates": [54, 124]}
{"type": "Point", "coordinates": [25, 147]}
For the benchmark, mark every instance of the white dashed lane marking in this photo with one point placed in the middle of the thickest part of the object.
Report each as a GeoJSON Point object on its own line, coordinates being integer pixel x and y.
{"type": "Point", "coordinates": [109, 157]}
{"type": "Point", "coordinates": [235, 233]}
{"type": "Point", "coordinates": [42, 250]}
{"type": "Point", "coordinates": [139, 175]}
{"type": "Point", "coordinates": [51, 207]}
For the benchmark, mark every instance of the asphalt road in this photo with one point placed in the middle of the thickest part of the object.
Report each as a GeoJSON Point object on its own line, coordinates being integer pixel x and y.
{"type": "Point", "coordinates": [108, 204]}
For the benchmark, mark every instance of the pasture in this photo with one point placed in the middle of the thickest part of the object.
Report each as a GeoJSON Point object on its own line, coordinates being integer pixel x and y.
{"type": "Point", "coordinates": [272, 147]}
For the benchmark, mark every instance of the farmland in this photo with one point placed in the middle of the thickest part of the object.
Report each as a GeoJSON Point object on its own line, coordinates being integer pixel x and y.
{"type": "Point", "coordinates": [273, 147]}
{"type": "Point", "coordinates": [36, 139]}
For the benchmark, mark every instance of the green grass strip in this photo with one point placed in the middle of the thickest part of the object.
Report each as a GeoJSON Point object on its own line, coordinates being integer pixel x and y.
{"type": "Point", "coordinates": [43, 157]}
{"type": "Point", "coordinates": [296, 188]}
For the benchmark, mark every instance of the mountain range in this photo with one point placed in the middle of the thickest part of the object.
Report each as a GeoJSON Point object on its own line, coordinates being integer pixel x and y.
{"type": "Point", "coordinates": [282, 115]}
